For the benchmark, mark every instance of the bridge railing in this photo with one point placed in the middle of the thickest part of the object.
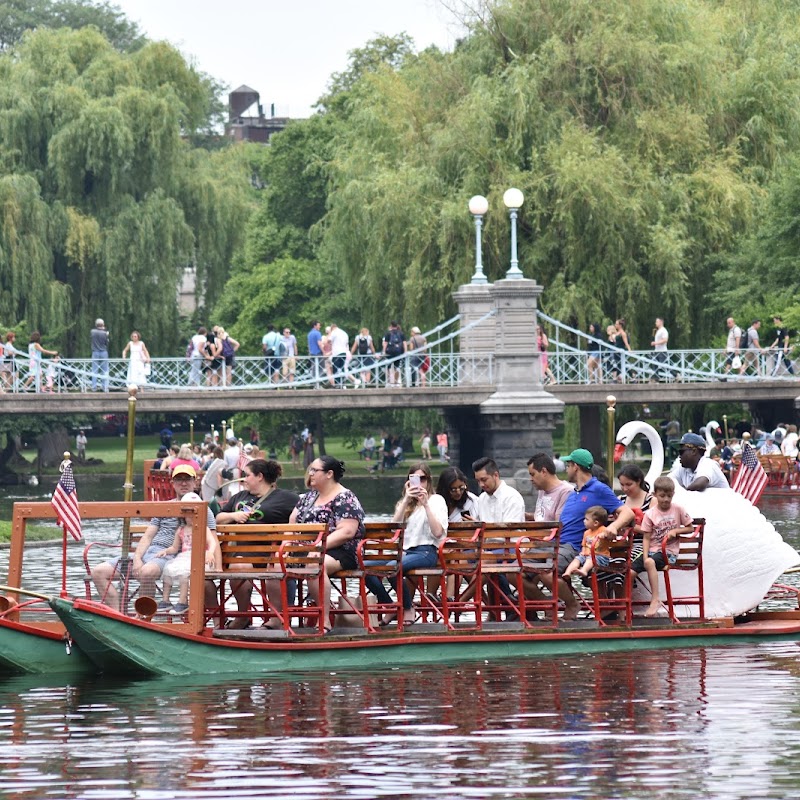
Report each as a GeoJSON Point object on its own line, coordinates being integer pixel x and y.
{"type": "Point", "coordinates": [437, 364]}
{"type": "Point", "coordinates": [611, 365]}
{"type": "Point", "coordinates": [596, 361]}
{"type": "Point", "coordinates": [439, 369]}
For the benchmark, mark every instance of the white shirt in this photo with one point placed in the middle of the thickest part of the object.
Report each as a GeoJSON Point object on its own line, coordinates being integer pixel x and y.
{"type": "Point", "coordinates": [339, 342]}
{"type": "Point", "coordinates": [706, 468]}
{"type": "Point", "coordinates": [198, 342]}
{"type": "Point", "coordinates": [418, 528]}
{"type": "Point", "coordinates": [470, 507]}
{"type": "Point", "coordinates": [734, 333]}
{"type": "Point", "coordinates": [505, 505]}
{"type": "Point", "coordinates": [661, 338]}
{"type": "Point", "coordinates": [789, 445]}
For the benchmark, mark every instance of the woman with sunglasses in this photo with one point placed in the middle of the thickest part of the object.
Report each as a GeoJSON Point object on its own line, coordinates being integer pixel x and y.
{"type": "Point", "coordinates": [328, 501]}
{"type": "Point", "coordinates": [261, 503]}
{"type": "Point", "coordinates": [425, 515]}
{"type": "Point", "coordinates": [461, 503]}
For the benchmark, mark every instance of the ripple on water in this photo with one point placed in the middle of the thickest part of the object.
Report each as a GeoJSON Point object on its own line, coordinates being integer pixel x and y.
{"type": "Point", "coordinates": [720, 722]}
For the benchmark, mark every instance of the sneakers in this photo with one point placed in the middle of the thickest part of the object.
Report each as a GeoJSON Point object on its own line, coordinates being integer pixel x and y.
{"type": "Point", "coordinates": [164, 607]}
{"type": "Point", "coordinates": [179, 608]}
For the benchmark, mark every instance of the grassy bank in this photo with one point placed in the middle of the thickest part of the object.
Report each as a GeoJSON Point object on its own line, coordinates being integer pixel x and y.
{"type": "Point", "coordinates": [33, 533]}
{"type": "Point", "coordinates": [112, 451]}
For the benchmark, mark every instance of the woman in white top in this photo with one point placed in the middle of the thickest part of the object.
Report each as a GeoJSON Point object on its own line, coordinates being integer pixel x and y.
{"type": "Point", "coordinates": [461, 503]}
{"type": "Point", "coordinates": [139, 359]}
{"type": "Point", "coordinates": [425, 515]}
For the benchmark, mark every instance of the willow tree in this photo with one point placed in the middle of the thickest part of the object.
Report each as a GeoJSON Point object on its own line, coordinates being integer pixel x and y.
{"type": "Point", "coordinates": [644, 136]}
{"type": "Point", "coordinates": [105, 201]}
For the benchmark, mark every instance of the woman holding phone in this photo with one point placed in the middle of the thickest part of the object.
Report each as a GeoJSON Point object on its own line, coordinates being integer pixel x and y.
{"type": "Point", "coordinates": [425, 515]}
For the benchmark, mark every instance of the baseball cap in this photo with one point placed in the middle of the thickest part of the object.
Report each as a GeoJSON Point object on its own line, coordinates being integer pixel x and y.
{"type": "Point", "coordinates": [248, 448]}
{"type": "Point", "coordinates": [231, 438]}
{"type": "Point", "coordinates": [693, 440]}
{"type": "Point", "coordinates": [583, 458]}
{"type": "Point", "coordinates": [191, 497]}
{"type": "Point", "coordinates": [184, 469]}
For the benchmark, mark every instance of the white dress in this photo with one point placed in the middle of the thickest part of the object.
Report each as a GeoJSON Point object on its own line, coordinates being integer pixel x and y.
{"type": "Point", "coordinates": [136, 365]}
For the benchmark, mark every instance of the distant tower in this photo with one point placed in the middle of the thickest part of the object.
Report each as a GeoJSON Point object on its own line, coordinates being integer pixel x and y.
{"type": "Point", "coordinates": [251, 128]}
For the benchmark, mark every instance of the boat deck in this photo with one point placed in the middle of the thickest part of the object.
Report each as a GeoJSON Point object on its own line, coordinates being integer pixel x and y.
{"type": "Point", "coordinates": [438, 629]}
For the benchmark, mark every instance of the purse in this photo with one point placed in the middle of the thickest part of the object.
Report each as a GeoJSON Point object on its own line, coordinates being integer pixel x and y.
{"type": "Point", "coordinates": [736, 363]}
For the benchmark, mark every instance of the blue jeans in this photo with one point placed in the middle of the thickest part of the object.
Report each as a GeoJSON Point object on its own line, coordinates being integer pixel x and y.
{"type": "Point", "coordinates": [100, 368]}
{"type": "Point", "coordinates": [423, 556]}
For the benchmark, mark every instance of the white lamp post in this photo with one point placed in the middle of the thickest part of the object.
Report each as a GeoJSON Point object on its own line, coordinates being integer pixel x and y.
{"type": "Point", "coordinates": [478, 206]}
{"type": "Point", "coordinates": [513, 200]}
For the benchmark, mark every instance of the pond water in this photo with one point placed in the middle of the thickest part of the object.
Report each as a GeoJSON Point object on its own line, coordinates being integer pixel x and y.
{"type": "Point", "coordinates": [716, 722]}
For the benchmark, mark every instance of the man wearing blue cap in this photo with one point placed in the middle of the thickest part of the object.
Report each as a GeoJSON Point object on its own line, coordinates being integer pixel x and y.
{"type": "Point", "coordinates": [588, 492]}
{"type": "Point", "coordinates": [696, 472]}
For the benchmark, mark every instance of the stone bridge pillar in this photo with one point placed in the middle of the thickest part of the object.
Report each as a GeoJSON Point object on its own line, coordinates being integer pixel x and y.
{"type": "Point", "coordinates": [519, 418]}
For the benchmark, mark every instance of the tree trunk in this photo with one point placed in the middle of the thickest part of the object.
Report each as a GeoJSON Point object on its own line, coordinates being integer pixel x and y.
{"type": "Point", "coordinates": [319, 433]}
{"type": "Point", "coordinates": [52, 447]}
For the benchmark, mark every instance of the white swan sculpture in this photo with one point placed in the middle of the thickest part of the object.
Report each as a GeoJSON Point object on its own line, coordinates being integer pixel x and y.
{"type": "Point", "coordinates": [711, 427]}
{"type": "Point", "coordinates": [743, 554]}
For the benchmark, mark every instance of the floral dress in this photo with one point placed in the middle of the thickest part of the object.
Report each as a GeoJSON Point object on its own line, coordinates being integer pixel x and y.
{"type": "Point", "coordinates": [344, 506]}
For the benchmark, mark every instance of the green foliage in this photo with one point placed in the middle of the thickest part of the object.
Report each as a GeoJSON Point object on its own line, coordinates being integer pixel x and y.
{"type": "Point", "coordinates": [104, 200]}
{"type": "Point", "coordinates": [643, 136]}
{"type": "Point", "coordinates": [19, 16]}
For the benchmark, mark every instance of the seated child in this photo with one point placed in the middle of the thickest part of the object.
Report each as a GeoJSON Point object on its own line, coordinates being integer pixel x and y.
{"type": "Point", "coordinates": [665, 521]}
{"type": "Point", "coordinates": [180, 566]}
{"type": "Point", "coordinates": [595, 521]}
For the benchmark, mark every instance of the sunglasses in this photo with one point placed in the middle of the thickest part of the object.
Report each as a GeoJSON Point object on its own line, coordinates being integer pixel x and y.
{"type": "Point", "coordinates": [458, 489]}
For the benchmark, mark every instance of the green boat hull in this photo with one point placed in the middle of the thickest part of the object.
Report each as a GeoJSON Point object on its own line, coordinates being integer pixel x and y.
{"type": "Point", "coordinates": [121, 646]}
{"type": "Point", "coordinates": [26, 650]}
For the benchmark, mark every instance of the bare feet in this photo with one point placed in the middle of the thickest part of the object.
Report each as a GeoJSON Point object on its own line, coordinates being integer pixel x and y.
{"type": "Point", "coordinates": [570, 613]}
{"type": "Point", "coordinates": [653, 609]}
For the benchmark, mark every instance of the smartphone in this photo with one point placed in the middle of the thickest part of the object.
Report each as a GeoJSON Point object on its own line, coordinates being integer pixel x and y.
{"type": "Point", "coordinates": [414, 481]}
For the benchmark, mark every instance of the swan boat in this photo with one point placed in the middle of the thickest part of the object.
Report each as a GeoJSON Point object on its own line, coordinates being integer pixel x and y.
{"type": "Point", "coordinates": [743, 554]}
{"type": "Point", "coordinates": [107, 641]}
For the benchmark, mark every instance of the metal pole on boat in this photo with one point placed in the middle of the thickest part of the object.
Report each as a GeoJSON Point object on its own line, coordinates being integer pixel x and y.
{"type": "Point", "coordinates": [125, 560]}
{"type": "Point", "coordinates": [224, 429]}
{"type": "Point", "coordinates": [611, 401]}
{"type": "Point", "coordinates": [191, 431]}
{"type": "Point", "coordinates": [725, 426]}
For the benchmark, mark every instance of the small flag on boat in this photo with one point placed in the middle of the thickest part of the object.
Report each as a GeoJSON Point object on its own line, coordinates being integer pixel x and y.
{"type": "Point", "coordinates": [751, 479]}
{"type": "Point", "coordinates": [65, 502]}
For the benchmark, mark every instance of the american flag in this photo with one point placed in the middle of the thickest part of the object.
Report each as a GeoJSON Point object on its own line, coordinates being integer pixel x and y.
{"type": "Point", "coordinates": [65, 502]}
{"type": "Point", "coordinates": [751, 478]}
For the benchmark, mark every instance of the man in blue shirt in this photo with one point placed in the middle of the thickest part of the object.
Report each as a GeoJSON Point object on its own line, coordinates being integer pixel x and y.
{"type": "Point", "coordinates": [588, 492]}
{"type": "Point", "coordinates": [314, 348]}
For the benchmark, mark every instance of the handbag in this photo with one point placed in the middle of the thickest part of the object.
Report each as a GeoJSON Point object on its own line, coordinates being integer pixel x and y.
{"type": "Point", "coordinates": [147, 368]}
{"type": "Point", "coordinates": [736, 363]}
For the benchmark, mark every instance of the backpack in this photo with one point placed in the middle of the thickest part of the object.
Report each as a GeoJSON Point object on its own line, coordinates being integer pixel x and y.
{"type": "Point", "coordinates": [744, 340]}
{"type": "Point", "coordinates": [282, 350]}
{"type": "Point", "coordinates": [394, 345]}
{"type": "Point", "coordinates": [363, 345]}
{"type": "Point", "coordinates": [227, 348]}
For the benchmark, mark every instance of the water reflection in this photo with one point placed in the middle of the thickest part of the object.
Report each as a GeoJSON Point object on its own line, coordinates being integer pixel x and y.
{"type": "Point", "coordinates": [722, 722]}
{"type": "Point", "coordinates": [613, 725]}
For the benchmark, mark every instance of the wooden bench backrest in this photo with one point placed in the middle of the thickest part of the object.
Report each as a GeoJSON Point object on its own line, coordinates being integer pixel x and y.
{"type": "Point", "coordinates": [382, 542]}
{"type": "Point", "coordinates": [260, 546]}
{"type": "Point", "coordinates": [460, 552]}
{"type": "Point", "coordinates": [619, 553]}
{"type": "Point", "coordinates": [500, 539]}
{"type": "Point", "coordinates": [690, 554]}
{"type": "Point", "coordinates": [537, 551]}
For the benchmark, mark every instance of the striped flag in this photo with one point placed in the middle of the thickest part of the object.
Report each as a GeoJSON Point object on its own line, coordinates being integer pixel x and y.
{"type": "Point", "coordinates": [750, 479]}
{"type": "Point", "coordinates": [65, 502]}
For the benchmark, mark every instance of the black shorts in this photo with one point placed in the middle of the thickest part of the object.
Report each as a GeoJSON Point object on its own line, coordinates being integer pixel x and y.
{"type": "Point", "coordinates": [343, 556]}
{"type": "Point", "coordinates": [658, 558]}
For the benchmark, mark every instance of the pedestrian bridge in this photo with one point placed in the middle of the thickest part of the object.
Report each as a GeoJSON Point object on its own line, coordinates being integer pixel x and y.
{"type": "Point", "coordinates": [441, 376]}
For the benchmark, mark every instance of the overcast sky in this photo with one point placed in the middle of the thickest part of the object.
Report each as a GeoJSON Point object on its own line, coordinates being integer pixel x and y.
{"type": "Point", "coordinates": [285, 49]}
